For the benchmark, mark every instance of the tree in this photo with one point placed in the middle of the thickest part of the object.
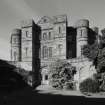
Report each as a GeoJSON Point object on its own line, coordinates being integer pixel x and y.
{"type": "Point", "coordinates": [91, 51]}
{"type": "Point", "coordinates": [96, 53]}
{"type": "Point", "coordinates": [61, 74]}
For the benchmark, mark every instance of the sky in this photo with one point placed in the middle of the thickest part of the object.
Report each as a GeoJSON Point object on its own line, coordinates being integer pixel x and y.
{"type": "Point", "coordinates": [12, 12]}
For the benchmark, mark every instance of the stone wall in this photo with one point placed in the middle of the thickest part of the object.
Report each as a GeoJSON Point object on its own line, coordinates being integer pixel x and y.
{"type": "Point", "coordinates": [85, 69]}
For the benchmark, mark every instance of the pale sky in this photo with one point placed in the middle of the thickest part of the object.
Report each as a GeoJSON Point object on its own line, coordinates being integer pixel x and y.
{"type": "Point", "coordinates": [14, 11]}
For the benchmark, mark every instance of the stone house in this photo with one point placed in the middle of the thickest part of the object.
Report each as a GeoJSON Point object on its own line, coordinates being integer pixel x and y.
{"type": "Point", "coordinates": [35, 46]}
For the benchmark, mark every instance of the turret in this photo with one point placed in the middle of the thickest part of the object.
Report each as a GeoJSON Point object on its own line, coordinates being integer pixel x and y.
{"type": "Point", "coordinates": [16, 45]}
{"type": "Point", "coordinates": [82, 26]}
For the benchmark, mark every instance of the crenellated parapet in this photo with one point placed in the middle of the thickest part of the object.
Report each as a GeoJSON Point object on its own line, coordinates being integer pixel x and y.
{"type": "Point", "coordinates": [82, 23]}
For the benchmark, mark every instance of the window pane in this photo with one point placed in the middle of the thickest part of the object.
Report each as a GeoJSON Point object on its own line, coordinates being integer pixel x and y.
{"type": "Point", "coordinates": [26, 49]}
{"type": "Point", "coordinates": [59, 29]}
{"type": "Point", "coordinates": [44, 52]}
{"type": "Point", "coordinates": [49, 35]}
{"type": "Point", "coordinates": [50, 51]}
{"type": "Point", "coordinates": [14, 56]}
{"type": "Point", "coordinates": [26, 33]}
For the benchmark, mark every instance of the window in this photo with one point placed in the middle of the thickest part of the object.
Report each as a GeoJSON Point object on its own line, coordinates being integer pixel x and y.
{"type": "Point", "coordinates": [44, 52]}
{"type": "Point", "coordinates": [50, 51]}
{"type": "Point", "coordinates": [14, 39]}
{"type": "Point", "coordinates": [27, 34]}
{"type": "Point", "coordinates": [59, 30]}
{"type": "Point", "coordinates": [82, 50]}
{"type": "Point", "coordinates": [46, 77]}
{"type": "Point", "coordinates": [26, 51]}
{"type": "Point", "coordinates": [14, 56]}
{"type": "Point", "coordinates": [80, 33]}
{"type": "Point", "coordinates": [44, 36]}
{"type": "Point", "coordinates": [49, 35]}
{"type": "Point", "coordinates": [60, 48]}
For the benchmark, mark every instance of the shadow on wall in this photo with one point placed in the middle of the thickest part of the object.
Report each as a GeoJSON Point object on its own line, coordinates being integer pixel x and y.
{"type": "Point", "coordinates": [10, 80]}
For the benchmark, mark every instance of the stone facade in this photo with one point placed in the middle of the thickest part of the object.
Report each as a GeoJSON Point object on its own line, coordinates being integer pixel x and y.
{"type": "Point", "coordinates": [51, 39]}
{"type": "Point", "coordinates": [28, 57]}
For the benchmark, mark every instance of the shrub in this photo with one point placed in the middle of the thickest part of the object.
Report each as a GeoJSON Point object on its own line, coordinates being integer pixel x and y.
{"type": "Point", "coordinates": [89, 85]}
{"type": "Point", "coordinates": [68, 85]}
{"type": "Point", "coordinates": [102, 82]}
{"type": "Point", "coordinates": [61, 74]}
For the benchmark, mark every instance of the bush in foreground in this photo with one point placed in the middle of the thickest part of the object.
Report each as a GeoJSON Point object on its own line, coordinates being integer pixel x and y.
{"type": "Point", "coordinates": [89, 85]}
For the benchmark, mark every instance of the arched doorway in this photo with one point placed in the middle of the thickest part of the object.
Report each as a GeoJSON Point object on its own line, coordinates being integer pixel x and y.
{"type": "Point", "coordinates": [45, 77]}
